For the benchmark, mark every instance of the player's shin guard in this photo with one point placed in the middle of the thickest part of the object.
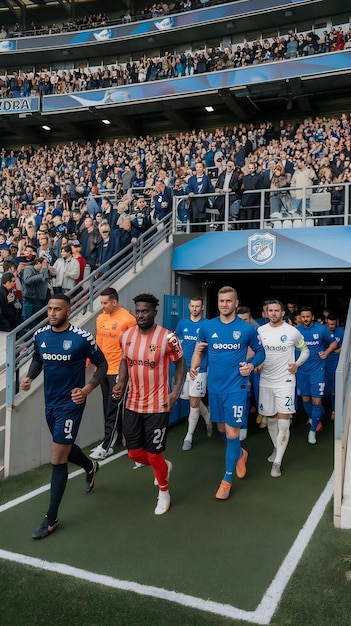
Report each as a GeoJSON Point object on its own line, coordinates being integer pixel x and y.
{"type": "Point", "coordinates": [192, 422]}
{"type": "Point", "coordinates": [139, 455]}
{"type": "Point", "coordinates": [308, 408]}
{"type": "Point", "coordinates": [282, 439]}
{"type": "Point", "coordinates": [273, 429]}
{"type": "Point", "coordinates": [78, 457]}
{"type": "Point", "coordinates": [317, 414]}
{"type": "Point", "coordinates": [160, 468]}
{"type": "Point", "coordinates": [205, 413]}
{"type": "Point", "coordinates": [232, 455]}
{"type": "Point", "coordinates": [58, 485]}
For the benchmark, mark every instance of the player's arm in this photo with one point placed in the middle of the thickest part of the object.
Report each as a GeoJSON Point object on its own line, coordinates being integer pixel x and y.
{"type": "Point", "coordinates": [178, 382]}
{"type": "Point", "coordinates": [304, 354]}
{"type": "Point", "coordinates": [79, 394]}
{"type": "Point", "coordinates": [255, 344]}
{"type": "Point", "coordinates": [332, 346]}
{"type": "Point", "coordinates": [196, 359]}
{"type": "Point", "coordinates": [121, 380]}
{"type": "Point", "coordinates": [34, 370]}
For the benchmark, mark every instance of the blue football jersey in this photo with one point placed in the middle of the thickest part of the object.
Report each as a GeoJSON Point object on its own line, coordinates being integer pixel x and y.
{"type": "Point", "coordinates": [63, 358]}
{"type": "Point", "coordinates": [331, 362]}
{"type": "Point", "coordinates": [227, 347]}
{"type": "Point", "coordinates": [188, 333]}
{"type": "Point", "coordinates": [317, 339]}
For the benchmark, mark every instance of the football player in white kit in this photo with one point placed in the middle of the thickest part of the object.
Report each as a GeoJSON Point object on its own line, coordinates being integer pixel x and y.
{"type": "Point", "coordinates": [277, 381]}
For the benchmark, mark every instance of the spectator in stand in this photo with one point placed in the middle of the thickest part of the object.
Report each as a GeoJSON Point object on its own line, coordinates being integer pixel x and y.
{"type": "Point", "coordinates": [35, 286]}
{"type": "Point", "coordinates": [10, 307]}
{"type": "Point", "coordinates": [65, 271]}
{"type": "Point", "coordinates": [90, 240]}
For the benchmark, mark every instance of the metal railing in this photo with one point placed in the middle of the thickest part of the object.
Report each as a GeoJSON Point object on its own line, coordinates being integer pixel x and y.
{"type": "Point", "coordinates": [19, 342]}
{"type": "Point", "coordinates": [312, 211]}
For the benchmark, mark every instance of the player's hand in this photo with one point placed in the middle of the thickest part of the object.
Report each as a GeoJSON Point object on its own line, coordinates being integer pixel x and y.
{"type": "Point", "coordinates": [118, 391]}
{"type": "Point", "coordinates": [292, 368]}
{"type": "Point", "coordinates": [193, 372]}
{"type": "Point", "coordinates": [200, 346]}
{"type": "Point", "coordinates": [26, 384]}
{"type": "Point", "coordinates": [322, 355]}
{"type": "Point", "coordinates": [77, 395]}
{"type": "Point", "coordinates": [172, 398]}
{"type": "Point", "coordinates": [245, 369]}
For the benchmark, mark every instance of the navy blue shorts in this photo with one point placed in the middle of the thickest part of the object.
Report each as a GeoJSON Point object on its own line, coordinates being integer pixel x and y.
{"type": "Point", "coordinates": [64, 423]}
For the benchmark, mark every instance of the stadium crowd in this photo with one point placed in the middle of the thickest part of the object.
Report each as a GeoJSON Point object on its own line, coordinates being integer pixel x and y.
{"type": "Point", "coordinates": [169, 65]}
{"type": "Point", "coordinates": [99, 20]}
{"type": "Point", "coordinates": [92, 200]}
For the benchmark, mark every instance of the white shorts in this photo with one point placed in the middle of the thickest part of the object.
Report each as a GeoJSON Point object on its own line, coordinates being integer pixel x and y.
{"type": "Point", "coordinates": [272, 401]}
{"type": "Point", "coordinates": [194, 388]}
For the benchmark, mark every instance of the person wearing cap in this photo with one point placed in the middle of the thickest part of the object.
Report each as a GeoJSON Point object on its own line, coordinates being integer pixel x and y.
{"type": "Point", "coordinates": [65, 271]}
{"type": "Point", "coordinates": [76, 254]}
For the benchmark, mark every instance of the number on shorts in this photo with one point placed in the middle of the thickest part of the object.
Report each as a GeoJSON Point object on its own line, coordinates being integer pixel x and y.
{"type": "Point", "coordinates": [288, 401]}
{"type": "Point", "coordinates": [199, 385]}
{"type": "Point", "coordinates": [321, 388]}
{"type": "Point", "coordinates": [68, 429]}
{"type": "Point", "coordinates": [238, 412]}
{"type": "Point", "coordinates": [159, 437]}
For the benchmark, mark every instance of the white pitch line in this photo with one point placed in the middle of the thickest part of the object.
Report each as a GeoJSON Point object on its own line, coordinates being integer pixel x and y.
{"type": "Point", "coordinates": [261, 615]}
{"type": "Point", "coordinates": [37, 492]}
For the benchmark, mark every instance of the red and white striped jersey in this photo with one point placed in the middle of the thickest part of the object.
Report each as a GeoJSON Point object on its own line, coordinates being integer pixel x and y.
{"type": "Point", "coordinates": [148, 358]}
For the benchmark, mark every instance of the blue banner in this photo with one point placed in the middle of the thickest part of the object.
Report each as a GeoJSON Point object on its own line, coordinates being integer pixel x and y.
{"type": "Point", "coordinates": [152, 26]}
{"type": "Point", "coordinates": [19, 105]}
{"type": "Point", "coordinates": [326, 247]}
{"type": "Point", "coordinates": [200, 83]}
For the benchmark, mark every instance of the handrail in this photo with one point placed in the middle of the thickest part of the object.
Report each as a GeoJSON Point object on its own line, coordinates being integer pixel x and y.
{"type": "Point", "coordinates": [19, 342]}
{"type": "Point", "coordinates": [263, 219]}
{"type": "Point", "coordinates": [70, 27]}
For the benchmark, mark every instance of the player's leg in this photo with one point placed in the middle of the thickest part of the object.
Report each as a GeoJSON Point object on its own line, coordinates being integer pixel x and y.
{"type": "Point", "coordinates": [63, 425]}
{"type": "Point", "coordinates": [233, 410]}
{"type": "Point", "coordinates": [285, 407]}
{"type": "Point", "coordinates": [134, 437]}
{"type": "Point", "coordinates": [114, 413]}
{"type": "Point", "coordinates": [155, 433]}
{"type": "Point", "coordinates": [194, 390]}
{"type": "Point", "coordinates": [267, 408]}
{"type": "Point", "coordinates": [317, 394]}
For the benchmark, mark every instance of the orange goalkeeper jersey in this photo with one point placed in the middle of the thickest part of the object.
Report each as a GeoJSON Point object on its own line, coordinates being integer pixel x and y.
{"type": "Point", "coordinates": [108, 329]}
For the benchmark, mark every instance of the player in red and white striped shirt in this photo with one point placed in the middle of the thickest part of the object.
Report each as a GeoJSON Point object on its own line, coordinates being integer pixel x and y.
{"type": "Point", "coordinates": [148, 350]}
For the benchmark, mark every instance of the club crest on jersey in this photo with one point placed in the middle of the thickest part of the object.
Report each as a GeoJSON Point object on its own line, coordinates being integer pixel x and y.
{"type": "Point", "coordinates": [283, 338]}
{"type": "Point", "coordinates": [315, 336]}
{"type": "Point", "coordinates": [152, 347]}
{"type": "Point", "coordinates": [236, 334]}
{"type": "Point", "coordinates": [261, 248]}
{"type": "Point", "coordinates": [67, 344]}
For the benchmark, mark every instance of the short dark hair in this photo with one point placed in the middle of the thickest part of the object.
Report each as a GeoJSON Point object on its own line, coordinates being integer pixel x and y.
{"type": "Point", "coordinates": [110, 292]}
{"type": "Point", "coordinates": [306, 308]}
{"type": "Point", "coordinates": [61, 296]}
{"type": "Point", "coordinates": [147, 297]}
{"type": "Point", "coordinates": [241, 310]}
{"type": "Point", "coordinates": [6, 277]}
{"type": "Point", "coordinates": [197, 298]}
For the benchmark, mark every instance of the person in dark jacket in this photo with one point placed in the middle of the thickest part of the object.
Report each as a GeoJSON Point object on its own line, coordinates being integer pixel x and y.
{"type": "Point", "coordinates": [199, 184]}
{"type": "Point", "coordinates": [9, 313]}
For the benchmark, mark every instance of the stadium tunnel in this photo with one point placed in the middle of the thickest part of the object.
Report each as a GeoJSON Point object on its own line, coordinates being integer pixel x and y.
{"type": "Point", "coordinates": [312, 269]}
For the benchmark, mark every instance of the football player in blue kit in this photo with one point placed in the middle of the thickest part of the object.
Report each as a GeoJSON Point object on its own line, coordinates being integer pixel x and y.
{"type": "Point", "coordinates": [226, 339]}
{"type": "Point", "coordinates": [332, 359]}
{"type": "Point", "coordinates": [61, 350]}
{"type": "Point", "coordinates": [311, 375]}
{"type": "Point", "coordinates": [193, 390]}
